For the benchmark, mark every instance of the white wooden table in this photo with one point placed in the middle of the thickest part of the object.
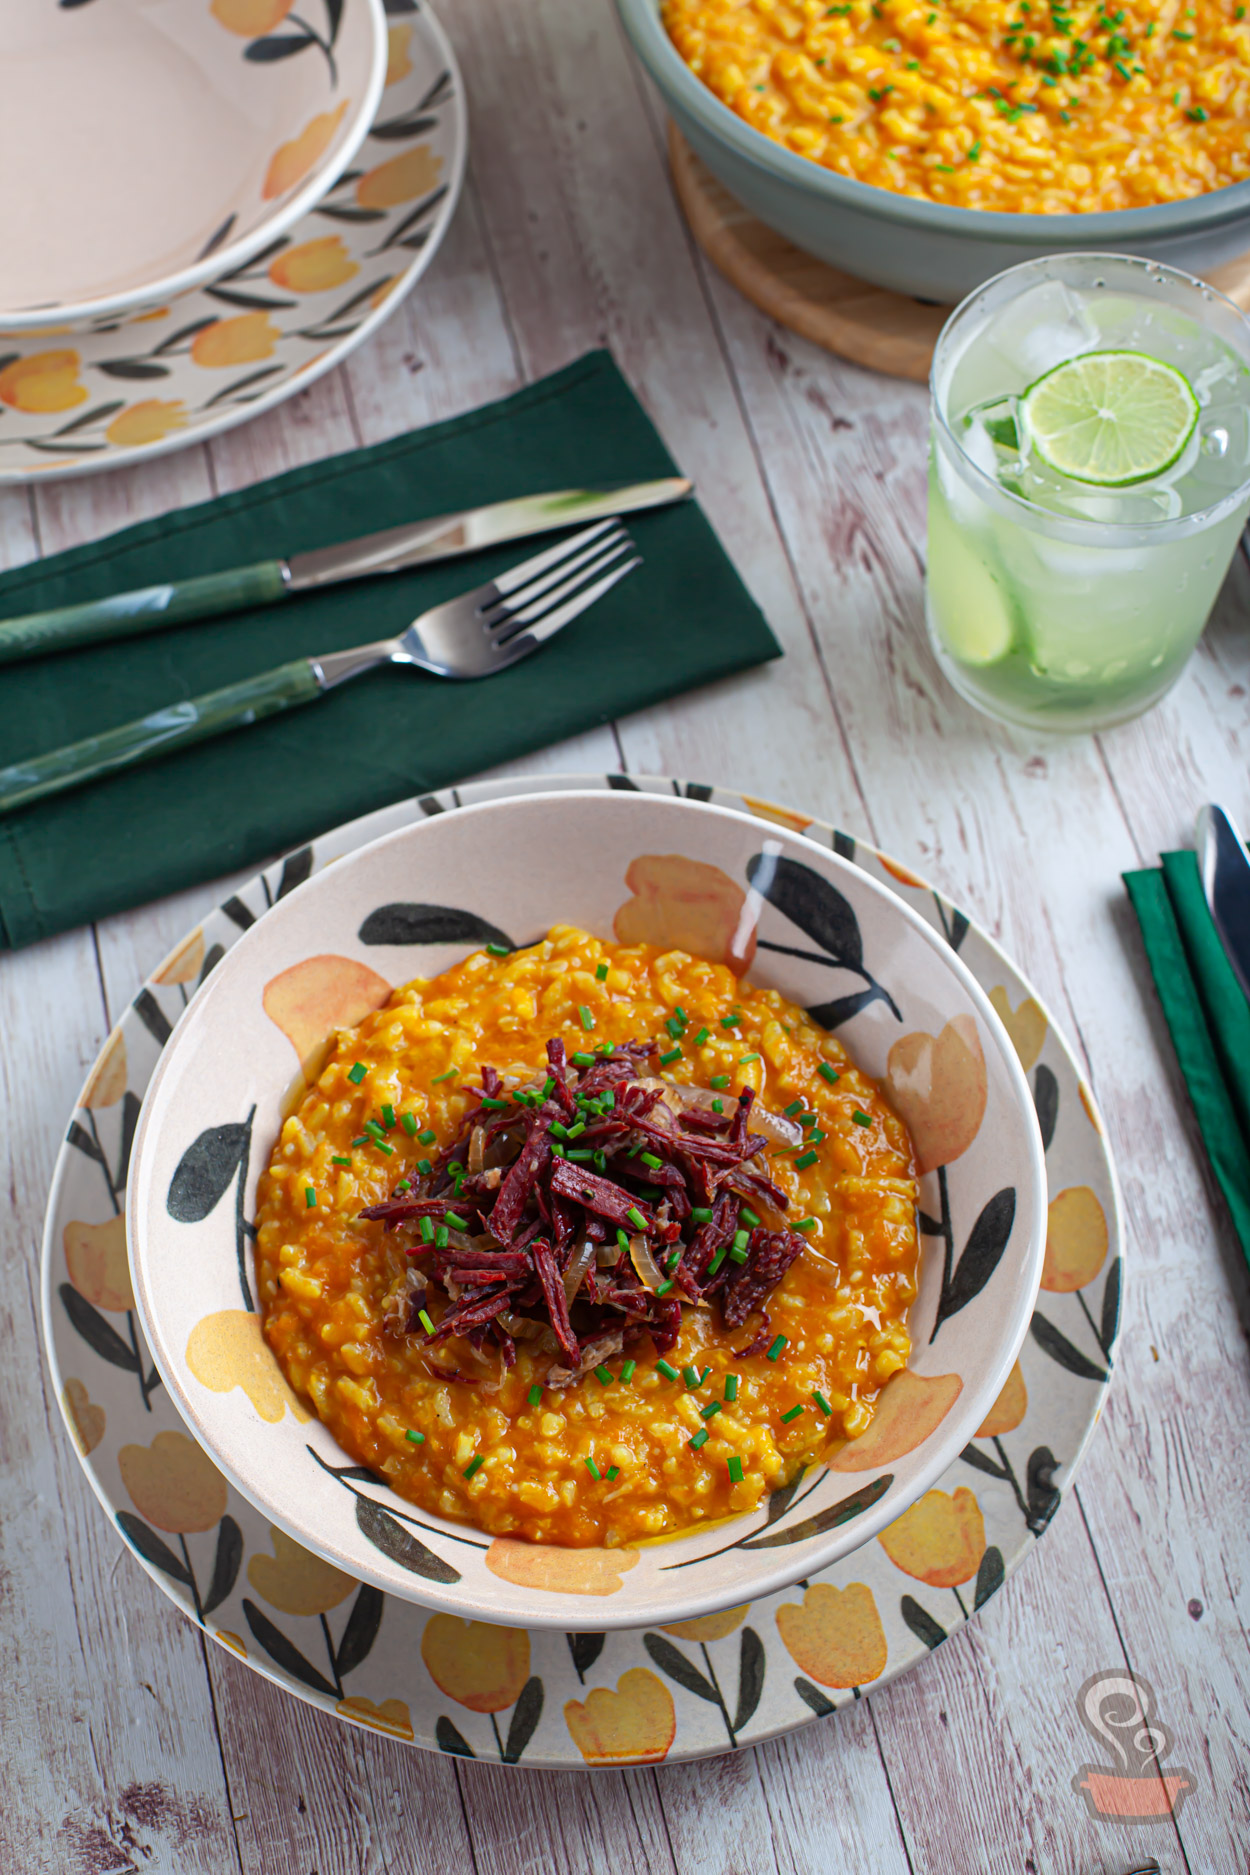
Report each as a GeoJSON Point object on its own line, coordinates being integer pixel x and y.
{"type": "Point", "coordinates": [127, 1744]}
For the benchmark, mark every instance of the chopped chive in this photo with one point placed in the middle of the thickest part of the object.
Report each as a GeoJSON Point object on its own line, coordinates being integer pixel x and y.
{"type": "Point", "coordinates": [474, 1464]}
{"type": "Point", "coordinates": [417, 1438]}
{"type": "Point", "coordinates": [593, 1469]}
{"type": "Point", "coordinates": [558, 1129]}
{"type": "Point", "coordinates": [680, 1013]}
{"type": "Point", "coordinates": [338, 1159]}
{"type": "Point", "coordinates": [583, 1060]}
{"type": "Point", "coordinates": [614, 1472]}
{"type": "Point", "coordinates": [743, 1059]}
{"type": "Point", "coordinates": [649, 1158]}
{"type": "Point", "coordinates": [817, 1138]}
{"type": "Point", "coordinates": [749, 1218]}
{"type": "Point", "coordinates": [442, 1237]}
{"type": "Point", "coordinates": [576, 1130]}
{"type": "Point", "coordinates": [673, 1054]}
{"type": "Point", "coordinates": [702, 1214]}
{"type": "Point", "coordinates": [710, 1410]}
{"type": "Point", "coordinates": [701, 1037]}
{"type": "Point", "coordinates": [585, 1017]}
{"type": "Point", "coordinates": [604, 1376]}
{"type": "Point", "coordinates": [494, 1106]}
{"type": "Point", "coordinates": [822, 1402]}
{"type": "Point", "coordinates": [730, 1022]}
{"type": "Point", "coordinates": [735, 1470]}
{"type": "Point", "coordinates": [827, 1073]}
{"type": "Point", "coordinates": [804, 1160]}
{"type": "Point", "coordinates": [601, 973]}
{"type": "Point", "coordinates": [671, 1262]}
{"type": "Point", "coordinates": [796, 1106]}
{"type": "Point", "coordinates": [409, 1123]}
{"type": "Point", "coordinates": [718, 1259]}
{"type": "Point", "coordinates": [427, 1229]}
{"type": "Point", "coordinates": [455, 1220]}
{"type": "Point", "coordinates": [425, 1321]}
{"type": "Point", "coordinates": [580, 1155]}
{"type": "Point", "coordinates": [691, 1376]}
{"type": "Point", "coordinates": [675, 1026]}
{"type": "Point", "coordinates": [549, 1087]}
{"type": "Point", "coordinates": [741, 1239]}
{"type": "Point", "coordinates": [622, 1242]}
{"type": "Point", "coordinates": [804, 1223]}
{"type": "Point", "coordinates": [428, 1137]}
{"type": "Point", "coordinates": [718, 1106]}
{"type": "Point", "coordinates": [628, 1372]}
{"type": "Point", "coordinates": [794, 1413]}
{"type": "Point", "coordinates": [669, 1373]}
{"type": "Point", "coordinates": [362, 1141]}
{"type": "Point", "coordinates": [557, 1148]}
{"type": "Point", "coordinates": [731, 1387]}
{"type": "Point", "coordinates": [425, 1167]}
{"type": "Point", "coordinates": [719, 1080]}
{"type": "Point", "coordinates": [405, 1184]}
{"type": "Point", "coordinates": [738, 1253]}
{"type": "Point", "coordinates": [388, 1115]}
{"type": "Point", "coordinates": [498, 950]}
{"type": "Point", "coordinates": [310, 1196]}
{"type": "Point", "coordinates": [861, 1119]}
{"type": "Point", "coordinates": [808, 1120]}
{"type": "Point", "coordinates": [599, 1159]}
{"type": "Point", "coordinates": [383, 1147]}
{"type": "Point", "coordinates": [700, 1438]}
{"type": "Point", "coordinates": [776, 1348]}
{"type": "Point", "coordinates": [703, 1376]}
{"type": "Point", "coordinates": [444, 1077]}
{"type": "Point", "coordinates": [357, 1072]}
{"type": "Point", "coordinates": [607, 1100]}
{"type": "Point", "coordinates": [662, 1289]}
{"type": "Point", "coordinates": [535, 1394]}
{"type": "Point", "coordinates": [634, 1216]}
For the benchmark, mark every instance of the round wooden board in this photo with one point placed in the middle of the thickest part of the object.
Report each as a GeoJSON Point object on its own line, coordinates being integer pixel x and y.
{"type": "Point", "coordinates": [856, 320]}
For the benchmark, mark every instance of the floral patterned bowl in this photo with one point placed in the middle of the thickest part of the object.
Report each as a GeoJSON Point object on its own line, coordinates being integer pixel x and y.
{"type": "Point", "coordinates": [151, 144]}
{"type": "Point", "coordinates": [413, 903]}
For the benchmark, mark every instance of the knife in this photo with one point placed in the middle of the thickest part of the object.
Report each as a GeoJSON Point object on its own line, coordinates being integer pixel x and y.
{"type": "Point", "coordinates": [445, 537]}
{"type": "Point", "coordinates": [1225, 868]}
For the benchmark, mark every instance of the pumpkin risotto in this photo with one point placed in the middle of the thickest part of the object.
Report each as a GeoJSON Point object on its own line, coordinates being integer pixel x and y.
{"type": "Point", "coordinates": [588, 1243]}
{"type": "Point", "coordinates": [1029, 106]}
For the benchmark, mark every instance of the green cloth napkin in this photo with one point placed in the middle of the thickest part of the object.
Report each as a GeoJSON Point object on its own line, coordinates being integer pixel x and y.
{"type": "Point", "coordinates": [1207, 1013]}
{"type": "Point", "coordinates": [682, 619]}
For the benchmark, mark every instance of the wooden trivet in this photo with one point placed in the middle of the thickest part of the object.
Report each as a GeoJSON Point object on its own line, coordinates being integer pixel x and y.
{"type": "Point", "coordinates": [856, 320]}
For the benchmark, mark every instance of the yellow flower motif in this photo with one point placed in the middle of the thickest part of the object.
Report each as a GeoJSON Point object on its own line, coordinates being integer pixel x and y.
{"type": "Point", "coordinates": [782, 816]}
{"type": "Point", "coordinates": [232, 1641]}
{"type": "Point", "coordinates": [1008, 1409]}
{"type": "Point", "coordinates": [295, 1580]}
{"type": "Point", "coordinates": [1076, 1240]}
{"type": "Point", "coordinates": [227, 1350]}
{"type": "Point", "coordinates": [147, 422]}
{"type": "Point", "coordinates": [682, 904]}
{"type": "Point", "coordinates": [95, 1258]}
{"type": "Point", "coordinates": [86, 1419]}
{"type": "Point", "coordinates": [476, 1663]}
{"type": "Point", "coordinates": [403, 179]}
{"type": "Point", "coordinates": [709, 1627]}
{"type": "Point", "coordinates": [174, 1484]}
{"type": "Point", "coordinates": [292, 161]}
{"type": "Point", "coordinates": [314, 265]}
{"type": "Point", "coordinates": [391, 1716]}
{"type": "Point", "coordinates": [938, 1088]}
{"type": "Point", "coordinates": [559, 1571]}
{"type": "Point", "coordinates": [43, 383]}
{"type": "Point", "coordinates": [940, 1540]}
{"type": "Point", "coordinates": [107, 1082]}
{"type": "Point", "coordinates": [835, 1635]}
{"type": "Point", "coordinates": [1026, 1026]}
{"type": "Point", "coordinates": [311, 999]}
{"type": "Point", "coordinates": [903, 874]}
{"type": "Point", "coordinates": [251, 19]}
{"type": "Point", "coordinates": [909, 1407]}
{"type": "Point", "coordinates": [242, 341]}
{"type": "Point", "coordinates": [636, 1724]}
{"type": "Point", "coordinates": [398, 64]}
{"type": "Point", "coordinates": [184, 962]}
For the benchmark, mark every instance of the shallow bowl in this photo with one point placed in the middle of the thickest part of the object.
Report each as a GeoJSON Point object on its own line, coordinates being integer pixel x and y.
{"type": "Point", "coordinates": [150, 145]}
{"type": "Point", "coordinates": [929, 250]}
{"type": "Point", "coordinates": [414, 903]}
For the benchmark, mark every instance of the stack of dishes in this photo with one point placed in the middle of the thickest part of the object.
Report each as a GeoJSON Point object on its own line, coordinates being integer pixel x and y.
{"type": "Point", "coordinates": [241, 195]}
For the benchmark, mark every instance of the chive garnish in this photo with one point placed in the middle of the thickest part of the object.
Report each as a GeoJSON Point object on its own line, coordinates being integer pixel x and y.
{"type": "Point", "coordinates": [628, 1371]}
{"type": "Point", "coordinates": [474, 1464]}
{"type": "Point", "coordinates": [749, 1217]}
{"type": "Point", "coordinates": [738, 1253]}
{"type": "Point", "coordinates": [794, 1413]}
{"type": "Point", "coordinates": [601, 973]}
{"type": "Point", "coordinates": [357, 1072]}
{"type": "Point", "coordinates": [339, 1160]}
{"type": "Point", "coordinates": [649, 1158]}
{"type": "Point", "coordinates": [583, 1060]}
{"type": "Point", "coordinates": [428, 1137]}
{"type": "Point", "coordinates": [796, 1106]}
{"type": "Point", "coordinates": [804, 1223]}
{"type": "Point", "coordinates": [719, 1080]}
{"type": "Point", "coordinates": [558, 1149]}
{"type": "Point", "coordinates": [675, 1026]}
{"type": "Point", "coordinates": [702, 1214]}
{"type": "Point", "coordinates": [417, 1438]}
{"type": "Point", "coordinates": [383, 1147]}
{"type": "Point", "coordinates": [425, 1321]}
{"type": "Point", "coordinates": [718, 1259]}
{"type": "Point", "coordinates": [585, 1017]}
{"type": "Point", "coordinates": [701, 1037]}
{"type": "Point", "coordinates": [808, 1120]}
{"type": "Point", "coordinates": [310, 1196]}
{"type": "Point", "coordinates": [718, 1106]}
{"type": "Point", "coordinates": [535, 1394]}
{"type": "Point", "coordinates": [498, 950]}
{"type": "Point", "coordinates": [409, 1123]}
{"type": "Point", "coordinates": [710, 1410]}
{"type": "Point", "coordinates": [455, 1220]}
{"type": "Point", "coordinates": [691, 1377]}
{"type": "Point", "coordinates": [593, 1469]}
{"type": "Point", "coordinates": [614, 1472]}
{"type": "Point", "coordinates": [742, 1238]}
{"type": "Point", "coordinates": [827, 1073]}
{"type": "Point", "coordinates": [373, 1129]}
{"type": "Point", "coordinates": [861, 1119]}
{"type": "Point", "coordinates": [804, 1160]}
{"type": "Point", "coordinates": [634, 1216]}
{"type": "Point", "coordinates": [776, 1348]}
{"type": "Point", "coordinates": [425, 1167]}
{"type": "Point", "coordinates": [443, 1077]}
{"type": "Point", "coordinates": [576, 1130]}
{"type": "Point", "coordinates": [599, 1159]}
{"type": "Point", "coordinates": [558, 1129]}
{"type": "Point", "coordinates": [388, 1115]}
{"type": "Point", "coordinates": [405, 1184]}
{"type": "Point", "coordinates": [743, 1059]}
{"type": "Point", "coordinates": [494, 1106]}
{"type": "Point", "coordinates": [362, 1141]}
{"type": "Point", "coordinates": [730, 1022]}
{"type": "Point", "coordinates": [735, 1471]}
{"type": "Point", "coordinates": [700, 1438]}
{"type": "Point", "coordinates": [674, 1054]}
{"type": "Point", "coordinates": [604, 1376]}
{"type": "Point", "coordinates": [662, 1289]}
{"type": "Point", "coordinates": [703, 1376]}
{"type": "Point", "coordinates": [441, 1237]}
{"type": "Point", "coordinates": [622, 1242]}
{"type": "Point", "coordinates": [731, 1387]}
{"type": "Point", "coordinates": [427, 1229]}
{"type": "Point", "coordinates": [822, 1402]}
{"type": "Point", "coordinates": [669, 1373]}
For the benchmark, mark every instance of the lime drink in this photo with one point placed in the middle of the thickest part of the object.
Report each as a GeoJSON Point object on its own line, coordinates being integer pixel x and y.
{"type": "Point", "coordinates": [1089, 478]}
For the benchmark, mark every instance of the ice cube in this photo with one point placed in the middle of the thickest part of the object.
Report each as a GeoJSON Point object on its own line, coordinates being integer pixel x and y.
{"type": "Point", "coordinates": [1043, 328]}
{"type": "Point", "coordinates": [1222, 460]}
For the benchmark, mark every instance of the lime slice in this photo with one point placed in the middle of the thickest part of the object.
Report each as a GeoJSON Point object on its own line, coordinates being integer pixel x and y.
{"type": "Point", "coordinates": [1110, 418]}
{"type": "Point", "coordinates": [974, 613]}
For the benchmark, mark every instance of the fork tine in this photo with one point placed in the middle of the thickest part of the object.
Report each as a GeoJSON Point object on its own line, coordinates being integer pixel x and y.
{"type": "Point", "coordinates": [532, 608]}
{"type": "Point", "coordinates": [539, 562]}
{"type": "Point", "coordinates": [517, 643]}
{"type": "Point", "coordinates": [498, 611]}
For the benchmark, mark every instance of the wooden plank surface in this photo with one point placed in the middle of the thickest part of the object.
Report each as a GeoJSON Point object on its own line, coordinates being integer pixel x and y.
{"type": "Point", "coordinates": [126, 1747]}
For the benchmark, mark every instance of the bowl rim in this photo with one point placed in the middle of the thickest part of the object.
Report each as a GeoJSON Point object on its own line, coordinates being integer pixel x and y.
{"type": "Point", "coordinates": [222, 260]}
{"type": "Point", "coordinates": [1046, 233]}
{"type": "Point", "coordinates": [551, 1612]}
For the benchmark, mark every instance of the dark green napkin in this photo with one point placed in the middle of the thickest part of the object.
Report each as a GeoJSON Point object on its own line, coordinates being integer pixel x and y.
{"type": "Point", "coordinates": [683, 618]}
{"type": "Point", "coordinates": [1207, 1014]}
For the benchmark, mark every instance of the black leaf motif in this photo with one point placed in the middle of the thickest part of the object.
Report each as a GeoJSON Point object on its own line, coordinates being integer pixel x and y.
{"type": "Point", "coordinates": [813, 1697]}
{"type": "Point", "coordinates": [982, 1254]}
{"type": "Point", "coordinates": [339, 211]}
{"type": "Point", "coordinates": [204, 1172]}
{"type": "Point", "coordinates": [979, 1462]}
{"type": "Point", "coordinates": [388, 1534]}
{"type": "Point", "coordinates": [1109, 1327]}
{"type": "Point", "coordinates": [296, 867]}
{"type": "Point", "coordinates": [277, 46]}
{"type": "Point", "coordinates": [959, 928]}
{"type": "Point", "coordinates": [132, 368]}
{"type": "Point", "coordinates": [843, 845]}
{"type": "Point", "coordinates": [525, 1716]}
{"type": "Point", "coordinates": [152, 1548]}
{"type": "Point", "coordinates": [215, 239]}
{"type": "Point", "coordinates": [99, 415]}
{"type": "Point", "coordinates": [225, 1563]}
{"type": "Point", "coordinates": [449, 1739]}
{"type": "Point", "coordinates": [621, 784]}
{"type": "Point", "coordinates": [212, 958]}
{"type": "Point", "coordinates": [921, 1622]}
{"type": "Point", "coordinates": [103, 1339]}
{"type": "Point", "coordinates": [79, 1137]}
{"type": "Point", "coordinates": [811, 903]}
{"type": "Point", "coordinates": [251, 302]}
{"type": "Point", "coordinates": [396, 128]}
{"type": "Point", "coordinates": [779, 1501]}
{"type": "Point", "coordinates": [284, 1652]}
{"type": "Point", "coordinates": [750, 1677]}
{"type": "Point", "coordinates": [1046, 1100]}
{"type": "Point", "coordinates": [243, 384]}
{"type": "Point", "coordinates": [831, 1015]}
{"type": "Point", "coordinates": [239, 913]}
{"type": "Point", "coordinates": [585, 1649]}
{"type": "Point", "coordinates": [334, 15]}
{"type": "Point", "coordinates": [130, 1119]}
{"type": "Point", "coordinates": [930, 1226]}
{"type": "Point", "coordinates": [989, 1576]}
{"type": "Point", "coordinates": [1043, 1493]}
{"type": "Point", "coordinates": [397, 9]}
{"type": "Point", "coordinates": [361, 1630]}
{"type": "Point", "coordinates": [827, 1519]}
{"type": "Point", "coordinates": [153, 1017]}
{"type": "Point", "coordinates": [678, 1668]}
{"type": "Point", "coordinates": [1059, 1348]}
{"type": "Point", "coordinates": [429, 924]}
{"type": "Point", "coordinates": [698, 791]}
{"type": "Point", "coordinates": [174, 339]}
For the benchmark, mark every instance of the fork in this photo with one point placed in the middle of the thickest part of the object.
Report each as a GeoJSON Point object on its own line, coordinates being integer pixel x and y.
{"type": "Point", "coordinates": [478, 634]}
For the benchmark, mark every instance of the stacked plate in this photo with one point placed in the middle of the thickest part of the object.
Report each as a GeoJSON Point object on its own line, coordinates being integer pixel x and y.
{"type": "Point", "coordinates": [237, 194]}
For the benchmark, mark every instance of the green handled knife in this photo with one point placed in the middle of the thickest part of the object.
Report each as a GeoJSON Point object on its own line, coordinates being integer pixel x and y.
{"type": "Point", "coordinates": [445, 537]}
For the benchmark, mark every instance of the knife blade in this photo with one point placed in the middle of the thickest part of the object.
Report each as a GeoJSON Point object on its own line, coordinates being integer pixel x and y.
{"type": "Point", "coordinates": [443, 537]}
{"type": "Point", "coordinates": [1225, 868]}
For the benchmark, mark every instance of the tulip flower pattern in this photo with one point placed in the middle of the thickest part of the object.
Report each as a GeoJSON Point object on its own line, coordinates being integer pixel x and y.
{"type": "Point", "coordinates": [175, 1487]}
{"type": "Point", "coordinates": [636, 1724]}
{"type": "Point", "coordinates": [681, 904]}
{"type": "Point", "coordinates": [834, 1635]}
{"type": "Point", "coordinates": [296, 1582]}
{"type": "Point", "coordinates": [485, 1669]}
{"type": "Point", "coordinates": [941, 1541]}
{"type": "Point", "coordinates": [258, 22]}
{"type": "Point", "coordinates": [705, 1685]}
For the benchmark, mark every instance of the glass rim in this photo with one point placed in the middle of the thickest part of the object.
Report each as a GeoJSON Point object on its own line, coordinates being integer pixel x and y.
{"type": "Point", "coordinates": [1078, 528]}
